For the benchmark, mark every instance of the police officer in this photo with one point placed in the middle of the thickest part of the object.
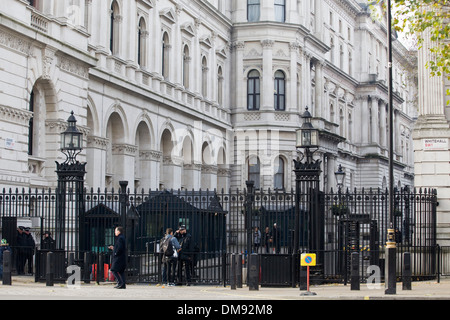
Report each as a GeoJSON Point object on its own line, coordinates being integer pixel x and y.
{"type": "Point", "coordinates": [29, 250]}
{"type": "Point", "coordinates": [48, 243]}
{"type": "Point", "coordinates": [19, 250]}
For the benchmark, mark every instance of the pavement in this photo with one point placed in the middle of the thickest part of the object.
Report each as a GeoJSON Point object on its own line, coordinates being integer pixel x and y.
{"type": "Point", "coordinates": [24, 288]}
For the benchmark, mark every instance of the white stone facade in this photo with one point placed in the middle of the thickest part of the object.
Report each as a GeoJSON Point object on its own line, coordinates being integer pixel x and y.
{"type": "Point", "coordinates": [431, 140]}
{"type": "Point", "coordinates": [199, 94]}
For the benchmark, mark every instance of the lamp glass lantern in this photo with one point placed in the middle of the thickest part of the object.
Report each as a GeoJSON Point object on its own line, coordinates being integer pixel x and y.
{"type": "Point", "coordinates": [307, 135]}
{"type": "Point", "coordinates": [72, 138]}
{"type": "Point", "coordinates": [340, 176]}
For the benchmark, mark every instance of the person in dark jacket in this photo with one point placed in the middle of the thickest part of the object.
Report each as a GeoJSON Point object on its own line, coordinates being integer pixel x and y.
{"type": "Point", "coordinates": [29, 250]}
{"type": "Point", "coordinates": [185, 254]}
{"type": "Point", "coordinates": [47, 242]}
{"type": "Point", "coordinates": [119, 260]}
{"type": "Point", "coordinates": [19, 251]}
{"type": "Point", "coordinates": [276, 236]}
{"type": "Point", "coordinates": [267, 239]}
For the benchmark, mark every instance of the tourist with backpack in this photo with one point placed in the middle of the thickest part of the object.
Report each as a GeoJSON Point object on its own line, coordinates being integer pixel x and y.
{"type": "Point", "coordinates": [169, 250]}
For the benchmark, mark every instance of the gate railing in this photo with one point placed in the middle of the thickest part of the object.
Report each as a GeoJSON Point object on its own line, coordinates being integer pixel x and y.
{"type": "Point", "coordinates": [350, 221]}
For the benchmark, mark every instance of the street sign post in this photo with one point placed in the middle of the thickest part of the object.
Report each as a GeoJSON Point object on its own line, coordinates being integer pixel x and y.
{"type": "Point", "coordinates": [308, 260]}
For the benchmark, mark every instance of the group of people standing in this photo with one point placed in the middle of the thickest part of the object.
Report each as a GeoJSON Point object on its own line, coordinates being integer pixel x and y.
{"type": "Point", "coordinates": [177, 249]}
{"type": "Point", "coordinates": [24, 250]}
{"type": "Point", "coordinates": [268, 239]}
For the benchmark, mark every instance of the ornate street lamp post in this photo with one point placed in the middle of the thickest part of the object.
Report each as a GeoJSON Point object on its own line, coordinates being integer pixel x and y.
{"type": "Point", "coordinates": [306, 178]}
{"type": "Point", "coordinates": [70, 184]}
{"type": "Point", "coordinates": [390, 243]}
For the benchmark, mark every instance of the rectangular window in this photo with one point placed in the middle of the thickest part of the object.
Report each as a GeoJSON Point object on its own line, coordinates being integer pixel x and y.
{"type": "Point", "coordinates": [253, 91]}
{"type": "Point", "coordinates": [254, 171]}
{"type": "Point", "coordinates": [280, 10]}
{"type": "Point", "coordinates": [280, 92]}
{"type": "Point", "coordinates": [279, 175]}
{"type": "Point", "coordinates": [253, 10]}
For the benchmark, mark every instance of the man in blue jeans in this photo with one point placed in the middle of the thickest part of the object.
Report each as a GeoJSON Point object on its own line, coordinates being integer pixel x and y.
{"type": "Point", "coordinates": [170, 258]}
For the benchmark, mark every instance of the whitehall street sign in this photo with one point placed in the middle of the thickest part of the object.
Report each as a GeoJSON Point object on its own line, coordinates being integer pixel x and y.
{"type": "Point", "coordinates": [435, 144]}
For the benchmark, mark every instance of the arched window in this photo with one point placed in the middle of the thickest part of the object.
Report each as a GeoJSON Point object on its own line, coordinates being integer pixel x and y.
{"type": "Point", "coordinates": [278, 180]}
{"type": "Point", "coordinates": [165, 55]}
{"type": "Point", "coordinates": [332, 49]}
{"type": "Point", "coordinates": [205, 70]}
{"type": "Point", "coordinates": [341, 123]}
{"type": "Point", "coordinates": [332, 113]}
{"type": "Point", "coordinates": [219, 86]}
{"type": "Point", "coordinates": [254, 171]}
{"type": "Point", "coordinates": [142, 43]}
{"type": "Point", "coordinates": [253, 10]}
{"type": "Point", "coordinates": [280, 10]}
{"type": "Point", "coordinates": [186, 63]}
{"type": "Point", "coordinates": [253, 90]}
{"type": "Point", "coordinates": [280, 91]}
{"type": "Point", "coordinates": [114, 28]}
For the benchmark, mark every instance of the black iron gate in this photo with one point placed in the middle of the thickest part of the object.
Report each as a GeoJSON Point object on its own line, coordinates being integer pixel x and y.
{"type": "Point", "coordinates": [346, 222]}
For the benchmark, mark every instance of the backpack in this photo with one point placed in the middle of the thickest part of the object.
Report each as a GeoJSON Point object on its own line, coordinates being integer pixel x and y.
{"type": "Point", "coordinates": [167, 247]}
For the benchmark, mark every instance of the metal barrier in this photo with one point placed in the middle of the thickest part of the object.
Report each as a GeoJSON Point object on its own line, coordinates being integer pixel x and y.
{"type": "Point", "coordinates": [276, 270]}
{"type": "Point", "coordinates": [222, 223]}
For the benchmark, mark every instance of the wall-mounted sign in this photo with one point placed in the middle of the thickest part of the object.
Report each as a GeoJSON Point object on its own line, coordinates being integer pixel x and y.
{"type": "Point", "coordinates": [435, 144]}
{"type": "Point", "coordinates": [10, 143]}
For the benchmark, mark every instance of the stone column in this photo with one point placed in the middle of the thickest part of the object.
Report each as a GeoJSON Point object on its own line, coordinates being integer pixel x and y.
{"type": "Point", "coordinates": [375, 121]}
{"type": "Point", "coordinates": [306, 82]}
{"type": "Point", "coordinates": [318, 112]}
{"type": "Point", "coordinates": [384, 125]}
{"type": "Point", "coordinates": [267, 76]}
{"type": "Point", "coordinates": [239, 99]}
{"type": "Point", "coordinates": [291, 99]}
{"type": "Point", "coordinates": [364, 121]}
{"type": "Point", "coordinates": [96, 161]}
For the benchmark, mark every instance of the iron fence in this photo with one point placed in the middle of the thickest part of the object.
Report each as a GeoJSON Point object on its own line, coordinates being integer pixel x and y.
{"type": "Point", "coordinates": [333, 227]}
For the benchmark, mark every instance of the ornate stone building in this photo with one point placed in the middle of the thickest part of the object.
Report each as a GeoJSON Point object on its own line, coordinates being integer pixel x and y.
{"type": "Point", "coordinates": [200, 94]}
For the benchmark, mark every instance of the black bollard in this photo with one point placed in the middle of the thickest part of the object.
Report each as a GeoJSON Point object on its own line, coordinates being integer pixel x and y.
{"type": "Point", "coordinates": [71, 260]}
{"type": "Point", "coordinates": [233, 271]}
{"type": "Point", "coordinates": [101, 259]}
{"type": "Point", "coordinates": [49, 270]}
{"type": "Point", "coordinates": [303, 283]}
{"type": "Point", "coordinates": [406, 274]}
{"type": "Point", "coordinates": [7, 268]}
{"type": "Point", "coordinates": [253, 272]}
{"type": "Point", "coordinates": [87, 268]}
{"type": "Point", "coordinates": [354, 275]}
{"type": "Point", "coordinates": [239, 271]}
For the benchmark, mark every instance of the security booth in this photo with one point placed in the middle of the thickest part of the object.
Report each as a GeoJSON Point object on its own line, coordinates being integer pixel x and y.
{"type": "Point", "coordinates": [98, 224]}
{"type": "Point", "coordinates": [200, 211]}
